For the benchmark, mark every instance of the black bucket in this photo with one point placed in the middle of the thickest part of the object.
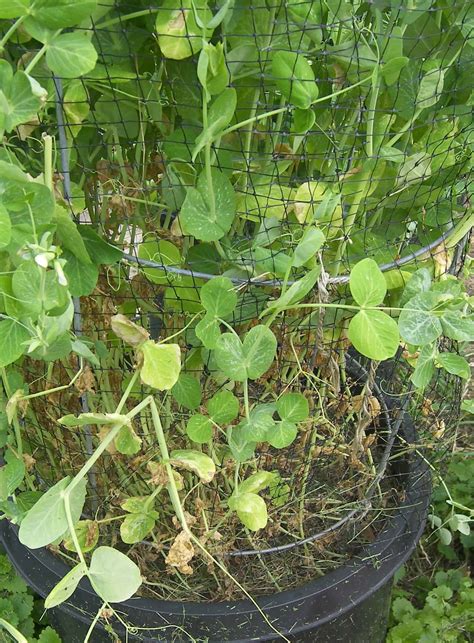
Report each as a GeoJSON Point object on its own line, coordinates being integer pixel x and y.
{"type": "Point", "coordinates": [350, 603]}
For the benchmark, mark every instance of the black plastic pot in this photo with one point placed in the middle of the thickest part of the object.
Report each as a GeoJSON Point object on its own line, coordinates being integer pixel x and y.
{"type": "Point", "coordinates": [349, 604]}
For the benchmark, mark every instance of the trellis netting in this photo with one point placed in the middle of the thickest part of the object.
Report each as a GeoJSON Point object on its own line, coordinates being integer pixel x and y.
{"type": "Point", "coordinates": [277, 144]}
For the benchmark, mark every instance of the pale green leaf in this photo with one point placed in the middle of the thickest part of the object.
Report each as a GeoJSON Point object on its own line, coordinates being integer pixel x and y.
{"type": "Point", "coordinates": [70, 55]}
{"type": "Point", "coordinates": [294, 77]}
{"type": "Point", "coordinates": [13, 336]}
{"type": "Point", "coordinates": [259, 349]}
{"type": "Point", "coordinates": [454, 364]}
{"type": "Point", "coordinates": [208, 331]}
{"type": "Point", "coordinates": [425, 366]}
{"type": "Point", "coordinates": [208, 213]}
{"type": "Point", "coordinates": [137, 526]}
{"type": "Point", "coordinates": [127, 441]}
{"type": "Point", "coordinates": [66, 587]}
{"type": "Point", "coordinates": [258, 481]}
{"type": "Point", "coordinates": [113, 575]}
{"type": "Point", "coordinates": [458, 326]}
{"type": "Point", "coordinates": [297, 291]}
{"type": "Point", "coordinates": [251, 510]}
{"type": "Point", "coordinates": [367, 283]}
{"type": "Point", "coordinates": [162, 252]}
{"type": "Point", "coordinates": [219, 297]}
{"type": "Point", "coordinates": [47, 521]}
{"type": "Point", "coordinates": [418, 323]}
{"type": "Point", "coordinates": [161, 365]}
{"type": "Point", "coordinates": [311, 242]}
{"type": "Point", "coordinates": [374, 334]}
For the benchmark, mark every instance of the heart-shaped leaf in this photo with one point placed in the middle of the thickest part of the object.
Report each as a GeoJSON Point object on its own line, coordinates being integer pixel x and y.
{"type": "Point", "coordinates": [247, 360]}
{"type": "Point", "coordinates": [208, 214]}
{"type": "Point", "coordinates": [113, 575]}
{"type": "Point", "coordinates": [282, 434]}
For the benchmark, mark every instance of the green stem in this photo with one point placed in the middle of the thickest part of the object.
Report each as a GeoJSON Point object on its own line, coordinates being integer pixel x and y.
{"type": "Point", "coordinates": [48, 161]}
{"type": "Point", "coordinates": [275, 112]}
{"type": "Point", "coordinates": [12, 30]}
{"type": "Point", "coordinates": [128, 16]}
{"type": "Point", "coordinates": [39, 54]}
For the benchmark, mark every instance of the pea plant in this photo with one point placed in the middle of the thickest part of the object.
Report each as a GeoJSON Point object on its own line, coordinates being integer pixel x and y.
{"type": "Point", "coordinates": [272, 178]}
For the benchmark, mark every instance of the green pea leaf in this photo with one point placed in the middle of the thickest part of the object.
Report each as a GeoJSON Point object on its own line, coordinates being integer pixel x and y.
{"type": "Point", "coordinates": [282, 434]}
{"type": "Point", "coordinates": [293, 407]}
{"type": "Point", "coordinates": [392, 68]}
{"type": "Point", "coordinates": [70, 55]}
{"type": "Point", "coordinates": [295, 79]}
{"type": "Point", "coordinates": [161, 365]}
{"type": "Point", "coordinates": [113, 575]}
{"type": "Point", "coordinates": [212, 69]}
{"type": "Point", "coordinates": [425, 366]}
{"type": "Point", "coordinates": [312, 241]}
{"type": "Point", "coordinates": [199, 428]}
{"type": "Point", "coordinates": [219, 297]}
{"type": "Point", "coordinates": [297, 291]}
{"type": "Point", "coordinates": [208, 215]}
{"type": "Point", "coordinates": [11, 475]}
{"type": "Point", "coordinates": [367, 283]}
{"type": "Point", "coordinates": [87, 533]}
{"type": "Point", "coordinates": [458, 326]}
{"type": "Point", "coordinates": [454, 364]}
{"type": "Point", "coordinates": [241, 448]}
{"type": "Point", "coordinates": [251, 510]}
{"type": "Point", "coordinates": [420, 282]}
{"type": "Point", "coordinates": [5, 227]}
{"type": "Point", "coordinates": [47, 521]}
{"type": "Point", "coordinates": [18, 101]}
{"type": "Point", "coordinates": [10, 9]}
{"type": "Point", "coordinates": [127, 441]}
{"type": "Point", "coordinates": [208, 331]}
{"type": "Point", "coordinates": [187, 391]}
{"type": "Point", "coordinates": [417, 322]}
{"type": "Point", "coordinates": [162, 252]}
{"type": "Point", "coordinates": [258, 426]}
{"type": "Point", "coordinates": [82, 278]}
{"type": "Point", "coordinates": [99, 250]}
{"type": "Point", "coordinates": [59, 14]}
{"type": "Point", "coordinates": [220, 115]}
{"type": "Point", "coordinates": [137, 526]}
{"type": "Point", "coordinates": [258, 481]}
{"type": "Point", "coordinates": [194, 461]}
{"type": "Point", "coordinates": [69, 236]}
{"type": "Point", "coordinates": [66, 586]}
{"type": "Point", "coordinates": [374, 334]}
{"type": "Point", "coordinates": [13, 336]}
{"type": "Point", "coordinates": [179, 35]}
{"type": "Point", "coordinates": [223, 407]}
{"type": "Point", "coordinates": [431, 88]}
{"type": "Point", "coordinates": [249, 360]}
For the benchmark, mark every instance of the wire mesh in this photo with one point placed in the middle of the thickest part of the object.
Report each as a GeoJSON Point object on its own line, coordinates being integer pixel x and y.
{"type": "Point", "coordinates": [368, 139]}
